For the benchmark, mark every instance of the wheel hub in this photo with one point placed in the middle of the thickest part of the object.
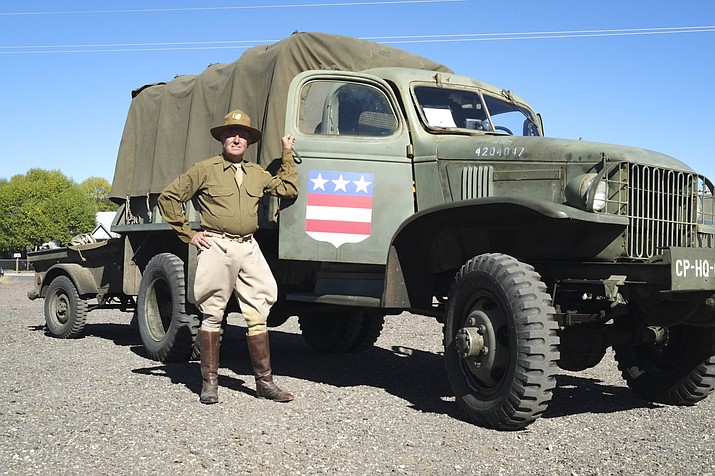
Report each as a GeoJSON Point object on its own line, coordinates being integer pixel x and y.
{"type": "Point", "coordinates": [470, 342]}
{"type": "Point", "coordinates": [476, 345]}
{"type": "Point", "coordinates": [61, 306]}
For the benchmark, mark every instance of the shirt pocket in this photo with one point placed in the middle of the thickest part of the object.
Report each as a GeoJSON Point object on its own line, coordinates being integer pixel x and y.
{"type": "Point", "coordinates": [254, 190]}
{"type": "Point", "coordinates": [223, 201]}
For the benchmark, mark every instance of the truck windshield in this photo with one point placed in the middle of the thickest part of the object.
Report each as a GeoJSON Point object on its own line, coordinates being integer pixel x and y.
{"type": "Point", "coordinates": [451, 108]}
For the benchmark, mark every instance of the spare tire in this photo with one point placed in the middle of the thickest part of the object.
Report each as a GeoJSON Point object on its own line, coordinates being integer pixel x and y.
{"type": "Point", "coordinates": [166, 330]}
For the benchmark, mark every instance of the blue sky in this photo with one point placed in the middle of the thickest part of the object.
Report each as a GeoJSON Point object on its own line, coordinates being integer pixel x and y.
{"type": "Point", "coordinates": [639, 73]}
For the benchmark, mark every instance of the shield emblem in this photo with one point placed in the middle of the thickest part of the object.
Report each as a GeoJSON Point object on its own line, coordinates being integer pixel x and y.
{"type": "Point", "coordinates": [339, 206]}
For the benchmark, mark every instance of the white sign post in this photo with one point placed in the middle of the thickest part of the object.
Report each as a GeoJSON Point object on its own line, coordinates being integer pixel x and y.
{"type": "Point", "coordinates": [17, 261]}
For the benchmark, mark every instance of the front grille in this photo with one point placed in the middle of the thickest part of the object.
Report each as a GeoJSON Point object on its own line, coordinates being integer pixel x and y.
{"type": "Point", "coordinates": [665, 208]}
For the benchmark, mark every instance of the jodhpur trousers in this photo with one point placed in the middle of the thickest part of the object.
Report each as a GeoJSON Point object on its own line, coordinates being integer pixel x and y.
{"type": "Point", "coordinates": [231, 267]}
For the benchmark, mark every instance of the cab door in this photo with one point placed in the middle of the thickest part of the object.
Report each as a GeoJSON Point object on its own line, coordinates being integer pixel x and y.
{"type": "Point", "coordinates": [355, 177]}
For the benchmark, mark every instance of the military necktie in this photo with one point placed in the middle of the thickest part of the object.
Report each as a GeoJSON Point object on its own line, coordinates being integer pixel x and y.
{"type": "Point", "coordinates": [239, 174]}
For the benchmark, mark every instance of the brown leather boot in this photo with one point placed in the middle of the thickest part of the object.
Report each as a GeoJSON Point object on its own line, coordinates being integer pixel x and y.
{"type": "Point", "coordinates": [209, 344]}
{"type": "Point", "coordinates": [260, 353]}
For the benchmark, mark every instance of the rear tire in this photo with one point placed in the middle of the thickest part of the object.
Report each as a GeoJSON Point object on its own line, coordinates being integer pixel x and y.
{"type": "Point", "coordinates": [332, 333]}
{"type": "Point", "coordinates": [369, 332]}
{"type": "Point", "coordinates": [166, 330]}
{"type": "Point", "coordinates": [65, 311]}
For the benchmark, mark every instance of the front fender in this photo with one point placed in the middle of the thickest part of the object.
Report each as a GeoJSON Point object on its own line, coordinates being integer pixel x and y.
{"type": "Point", "coordinates": [540, 207]}
{"type": "Point", "coordinates": [81, 277]}
{"type": "Point", "coordinates": [433, 244]}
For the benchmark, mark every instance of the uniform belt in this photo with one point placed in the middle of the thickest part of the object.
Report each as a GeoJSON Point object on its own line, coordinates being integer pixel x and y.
{"type": "Point", "coordinates": [231, 237]}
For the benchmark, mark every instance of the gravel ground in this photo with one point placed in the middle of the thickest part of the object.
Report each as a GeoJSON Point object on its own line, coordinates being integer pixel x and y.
{"type": "Point", "coordinates": [96, 405]}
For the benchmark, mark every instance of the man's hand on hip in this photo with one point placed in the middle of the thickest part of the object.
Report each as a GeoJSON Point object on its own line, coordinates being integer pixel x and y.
{"type": "Point", "coordinates": [202, 240]}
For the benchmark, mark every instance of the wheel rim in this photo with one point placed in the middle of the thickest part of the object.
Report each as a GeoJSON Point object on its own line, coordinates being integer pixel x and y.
{"type": "Point", "coordinates": [158, 309]}
{"type": "Point", "coordinates": [483, 344]}
{"type": "Point", "coordinates": [60, 308]}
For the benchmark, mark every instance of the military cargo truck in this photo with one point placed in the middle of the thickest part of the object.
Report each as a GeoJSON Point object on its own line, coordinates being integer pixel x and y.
{"type": "Point", "coordinates": [426, 191]}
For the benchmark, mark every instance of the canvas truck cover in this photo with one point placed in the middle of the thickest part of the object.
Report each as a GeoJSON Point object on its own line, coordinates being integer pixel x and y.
{"type": "Point", "coordinates": [167, 128]}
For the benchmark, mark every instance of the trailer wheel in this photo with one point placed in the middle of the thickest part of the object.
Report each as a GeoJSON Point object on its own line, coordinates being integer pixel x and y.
{"type": "Point", "coordinates": [500, 341]}
{"type": "Point", "coordinates": [674, 372]}
{"type": "Point", "coordinates": [65, 311]}
{"type": "Point", "coordinates": [166, 330]}
{"type": "Point", "coordinates": [330, 333]}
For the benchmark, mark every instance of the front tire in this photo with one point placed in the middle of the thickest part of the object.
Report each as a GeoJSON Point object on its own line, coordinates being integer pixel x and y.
{"type": "Point", "coordinates": [676, 371]}
{"type": "Point", "coordinates": [166, 330]}
{"type": "Point", "coordinates": [65, 311]}
{"type": "Point", "coordinates": [500, 341]}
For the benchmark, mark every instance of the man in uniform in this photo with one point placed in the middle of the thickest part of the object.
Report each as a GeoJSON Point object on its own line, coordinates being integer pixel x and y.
{"type": "Point", "coordinates": [229, 259]}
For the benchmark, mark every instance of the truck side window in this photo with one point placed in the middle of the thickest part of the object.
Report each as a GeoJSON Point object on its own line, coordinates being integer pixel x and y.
{"type": "Point", "coordinates": [344, 108]}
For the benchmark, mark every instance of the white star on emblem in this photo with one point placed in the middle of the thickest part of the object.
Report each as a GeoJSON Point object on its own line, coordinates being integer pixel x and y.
{"type": "Point", "coordinates": [319, 183]}
{"type": "Point", "coordinates": [340, 183]}
{"type": "Point", "coordinates": [361, 184]}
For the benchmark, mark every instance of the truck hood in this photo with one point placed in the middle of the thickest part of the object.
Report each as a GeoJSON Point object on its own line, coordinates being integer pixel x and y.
{"type": "Point", "coordinates": [543, 149]}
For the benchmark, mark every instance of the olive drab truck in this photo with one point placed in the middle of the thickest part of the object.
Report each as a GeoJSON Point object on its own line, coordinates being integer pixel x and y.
{"type": "Point", "coordinates": [426, 191]}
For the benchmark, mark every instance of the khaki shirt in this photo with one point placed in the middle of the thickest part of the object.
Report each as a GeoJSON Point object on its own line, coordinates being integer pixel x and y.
{"type": "Point", "coordinates": [224, 206]}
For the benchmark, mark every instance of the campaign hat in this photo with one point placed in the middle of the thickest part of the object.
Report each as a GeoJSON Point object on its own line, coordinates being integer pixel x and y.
{"type": "Point", "coordinates": [237, 119]}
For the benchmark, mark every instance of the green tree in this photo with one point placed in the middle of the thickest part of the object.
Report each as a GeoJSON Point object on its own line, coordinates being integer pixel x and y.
{"type": "Point", "coordinates": [42, 206]}
{"type": "Point", "coordinates": [98, 189]}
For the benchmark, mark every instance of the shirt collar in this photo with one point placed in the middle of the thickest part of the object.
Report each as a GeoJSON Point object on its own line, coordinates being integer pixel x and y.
{"type": "Point", "coordinates": [228, 164]}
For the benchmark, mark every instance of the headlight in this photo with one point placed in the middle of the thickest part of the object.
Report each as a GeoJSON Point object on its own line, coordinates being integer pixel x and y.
{"type": "Point", "coordinates": [583, 192]}
{"type": "Point", "coordinates": [600, 195]}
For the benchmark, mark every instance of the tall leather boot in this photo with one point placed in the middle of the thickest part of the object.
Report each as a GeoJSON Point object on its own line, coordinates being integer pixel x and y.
{"type": "Point", "coordinates": [209, 343]}
{"type": "Point", "coordinates": [260, 353]}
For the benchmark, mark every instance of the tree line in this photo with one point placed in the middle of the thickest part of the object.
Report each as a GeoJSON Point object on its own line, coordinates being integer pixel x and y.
{"type": "Point", "coordinates": [45, 205]}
